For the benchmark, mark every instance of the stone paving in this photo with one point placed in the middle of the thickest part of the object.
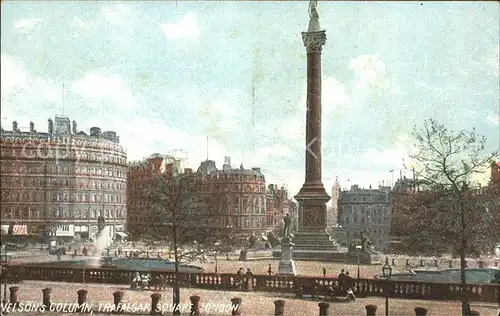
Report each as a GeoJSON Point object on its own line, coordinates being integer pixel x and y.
{"type": "Point", "coordinates": [253, 304]}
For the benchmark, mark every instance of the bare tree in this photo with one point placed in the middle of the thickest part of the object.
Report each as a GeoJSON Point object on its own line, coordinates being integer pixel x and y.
{"type": "Point", "coordinates": [186, 216]}
{"type": "Point", "coordinates": [452, 207]}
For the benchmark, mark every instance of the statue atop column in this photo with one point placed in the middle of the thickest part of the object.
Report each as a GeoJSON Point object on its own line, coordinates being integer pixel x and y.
{"type": "Point", "coordinates": [288, 221]}
{"type": "Point", "coordinates": [313, 13]}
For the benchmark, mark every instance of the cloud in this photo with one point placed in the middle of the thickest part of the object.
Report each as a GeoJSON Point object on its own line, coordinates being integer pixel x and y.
{"type": "Point", "coordinates": [494, 61]}
{"type": "Point", "coordinates": [99, 87]}
{"type": "Point", "coordinates": [13, 73]}
{"type": "Point", "coordinates": [389, 157]}
{"type": "Point", "coordinates": [186, 27]}
{"type": "Point", "coordinates": [20, 87]}
{"type": "Point", "coordinates": [27, 24]}
{"type": "Point", "coordinates": [276, 151]}
{"type": "Point", "coordinates": [385, 157]}
{"type": "Point", "coordinates": [82, 24]}
{"type": "Point", "coordinates": [333, 93]}
{"type": "Point", "coordinates": [371, 73]}
{"type": "Point", "coordinates": [493, 119]}
{"type": "Point", "coordinates": [116, 14]}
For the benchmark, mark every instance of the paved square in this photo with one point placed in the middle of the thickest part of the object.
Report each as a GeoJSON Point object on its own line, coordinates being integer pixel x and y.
{"type": "Point", "coordinates": [254, 304]}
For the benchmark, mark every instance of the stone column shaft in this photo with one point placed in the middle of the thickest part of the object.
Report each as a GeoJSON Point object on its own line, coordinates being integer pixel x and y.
{"type": "Point", "coordinates": [313, 118]}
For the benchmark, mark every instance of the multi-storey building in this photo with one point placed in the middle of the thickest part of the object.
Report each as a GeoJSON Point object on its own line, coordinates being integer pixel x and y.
{"type": "Point", "coordinates": [244, 194]}
{"type": "Point", "coordinates": [241, 207]}
{"type": "Point", "coordinates": [141, 180]}
{"type": "Point", "coordinates": [366, 211]}
{"type": "Point", "coordinates": [278, 203]}
{"type": "Point", "coordinates": [332, 212]}
{"type": "Point", "coordinates": [59, 182]}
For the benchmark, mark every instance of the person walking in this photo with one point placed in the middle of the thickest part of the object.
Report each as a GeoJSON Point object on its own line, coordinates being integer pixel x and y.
{"type": "Point", "coordinates": [349, 287]}
{"type": "Point", "coordinates": [341, 279]}
{"type": "Point", "coordinates": [249, 280]}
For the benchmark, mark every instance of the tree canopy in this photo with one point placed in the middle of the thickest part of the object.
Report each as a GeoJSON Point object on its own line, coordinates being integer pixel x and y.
{"type": "Point", "coordinates": [451, 206]}
{"type": "Point", "coordinates": [186, 216]}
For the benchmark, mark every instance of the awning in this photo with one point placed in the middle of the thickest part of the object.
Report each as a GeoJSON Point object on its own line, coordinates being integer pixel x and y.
{"type": "Point", "coordinates": [121, 234]}
{"type": "Point", "coordinates": [20, 230]}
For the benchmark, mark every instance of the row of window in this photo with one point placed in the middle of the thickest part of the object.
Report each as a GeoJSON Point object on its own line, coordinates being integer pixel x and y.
{"type": "Point", "coordinates": [26, 213]}
{"type": "Point", "coordinates": [77, 141]}
{"type": "Point", "coordinates": [44, 196]}
{"type": "Point", "coordinates": [62, 153]}
{"type": "Point", "coordinates": [216, 221]}
{"type": "Point", "coordinates": [63, 169]}
{"type": "Point", "coordinates": [41, 182]}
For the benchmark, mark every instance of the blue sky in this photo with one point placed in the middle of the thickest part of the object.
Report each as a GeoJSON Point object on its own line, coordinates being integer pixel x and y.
{"type": "Point", "coordinates": [166, 75]}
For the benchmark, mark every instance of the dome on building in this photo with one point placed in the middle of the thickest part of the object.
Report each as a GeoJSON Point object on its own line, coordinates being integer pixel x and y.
{"type": "Point", "coordinates": [207, 167]}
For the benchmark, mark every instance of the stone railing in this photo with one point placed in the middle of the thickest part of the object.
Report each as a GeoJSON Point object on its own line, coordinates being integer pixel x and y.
{"type": "Point", "coordinates": [117, 305]}
{"type": "Point", "coordinates": [298, 285]}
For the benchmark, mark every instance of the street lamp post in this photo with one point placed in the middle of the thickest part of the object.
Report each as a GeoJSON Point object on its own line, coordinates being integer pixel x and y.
{"type": "Point", "coordinates": [5, 264]}
{"type": "Point", "coordinates": [358, 249]}
{"type": "Point", "coordinates": [217, 244]}
{"type": "Point", "coordinates": [387, 273]}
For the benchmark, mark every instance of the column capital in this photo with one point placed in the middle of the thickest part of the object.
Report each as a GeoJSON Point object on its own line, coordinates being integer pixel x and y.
{"type": "Point", "coordinates": [314, 41]}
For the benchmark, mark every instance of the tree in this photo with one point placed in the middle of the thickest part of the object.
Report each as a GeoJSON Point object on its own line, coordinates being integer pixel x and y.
{"type": "Point", "coordinates": [452, 207]}
{"type": "Point", "coordinates": [186, 216]}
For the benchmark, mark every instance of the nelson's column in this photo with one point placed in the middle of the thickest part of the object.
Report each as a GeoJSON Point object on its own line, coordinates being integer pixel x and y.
{"type": "Point", "coordinates": [312, 240]}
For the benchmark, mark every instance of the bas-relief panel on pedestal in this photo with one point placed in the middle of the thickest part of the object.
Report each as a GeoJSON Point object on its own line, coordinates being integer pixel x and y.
{"type": "Point", "coordinates": [313, 216]}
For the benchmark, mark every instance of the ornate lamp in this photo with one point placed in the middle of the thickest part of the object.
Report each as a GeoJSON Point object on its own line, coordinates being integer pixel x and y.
{"type": "Point", "coordinates": [387, 273]}
{"type": "Point", "coordinates": [387, 269]}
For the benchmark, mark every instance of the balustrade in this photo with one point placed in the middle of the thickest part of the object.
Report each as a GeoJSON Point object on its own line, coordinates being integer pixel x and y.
{"type": "Point", "coordinates": [195, 305]}
{"type": "Point", "coordinates": [420, 311]}
{"type": "Point", "coordinates": [371, 310]}
{"type": "Point", "coordinates": [118, 308]}
{"type": "Point", "coordinates": [117, 301]}
{"type": "Point", "coordinates": [155, 304]}
{"type": "Point", "coordinates": [264, 283]}
{"type": "Point", "coordinates": [324, 308]}
{"type": "Point", "coordinates": [236, 304]}
{"type": "Point", "coordinates": [279, 308]}
{"type": "Point", "coordinates": [14, 296]}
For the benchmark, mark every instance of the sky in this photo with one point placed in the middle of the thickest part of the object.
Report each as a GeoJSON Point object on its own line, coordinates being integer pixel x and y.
{"type": "Point", "coordinates": [167, 75]}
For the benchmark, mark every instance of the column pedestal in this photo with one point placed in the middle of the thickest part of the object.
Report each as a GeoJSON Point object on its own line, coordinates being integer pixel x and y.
{"type": "Point", "coordinates": [286, 265]}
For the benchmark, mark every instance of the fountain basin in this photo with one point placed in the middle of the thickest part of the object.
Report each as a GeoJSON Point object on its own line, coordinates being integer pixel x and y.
{"type": "Point", "coordinates": [135, 264]}
{"type": "Point", "coordinates": [472, 275]}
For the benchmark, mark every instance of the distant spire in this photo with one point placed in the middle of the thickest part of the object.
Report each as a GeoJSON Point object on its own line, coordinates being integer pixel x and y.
{"type": "Point", "coordinates": [62, 104]}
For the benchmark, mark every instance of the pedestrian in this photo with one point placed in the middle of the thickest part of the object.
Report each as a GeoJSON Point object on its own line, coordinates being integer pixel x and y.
{"type": "Point", "coordinates": [239, 278]}
{"type": "Point", "coordinates": [270, 270]}
{"type": "Point", "coordinates": [249, 280]}
{"type": "Point", "coordinates": [324, 272]}
{"type": "Point", "coordinates": [349, 286]}
{"type": "Point", "coordinates": [341, 279]}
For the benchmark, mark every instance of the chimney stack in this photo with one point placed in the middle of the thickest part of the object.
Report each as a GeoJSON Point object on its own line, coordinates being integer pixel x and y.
{"type": "Point", "coordinates": [51, 127]}
{"type": "Point", "coordinates": [32, 127]}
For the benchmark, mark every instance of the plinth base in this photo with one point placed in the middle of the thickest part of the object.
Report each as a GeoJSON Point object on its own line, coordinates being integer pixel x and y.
{"type": "Point", "coordinates": [286, 268]}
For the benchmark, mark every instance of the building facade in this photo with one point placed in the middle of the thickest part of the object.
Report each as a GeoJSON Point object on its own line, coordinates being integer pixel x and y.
{"type": "Point", "coordinates": [278, 203]}
{"type": "Point", "coordinates": [241, 208]}
{"type": "Point", "coordinates": [366, 211]}
{"type": "Point", "coordinates": [243, 195]}
{"type": "Point", "coordinates": [141, 180]}
{"type": "Point", "coordinates": [59, 182]}
{"type": "Point", "coordinates": [333, 210]}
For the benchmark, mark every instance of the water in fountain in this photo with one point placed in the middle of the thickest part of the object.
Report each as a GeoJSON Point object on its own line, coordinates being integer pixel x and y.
{"type": "Point", "coordinates": [102, 242]}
